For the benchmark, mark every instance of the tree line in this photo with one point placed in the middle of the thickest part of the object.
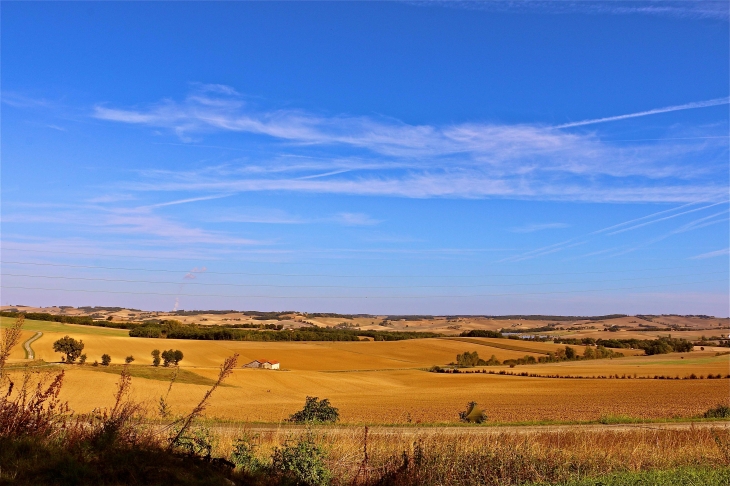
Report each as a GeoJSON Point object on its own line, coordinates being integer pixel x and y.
{"type": "Point", "coordinates": [662, 345]}
{"type": "Point", "coordinates": [176, 330]}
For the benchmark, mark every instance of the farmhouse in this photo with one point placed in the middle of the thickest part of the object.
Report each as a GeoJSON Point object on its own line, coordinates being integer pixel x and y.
{"type": "Point", "coordinates": [263, 363]}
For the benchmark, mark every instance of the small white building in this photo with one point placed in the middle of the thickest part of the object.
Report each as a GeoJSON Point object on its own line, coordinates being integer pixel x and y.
{"type": "Point", "coordinates": [263, 363]}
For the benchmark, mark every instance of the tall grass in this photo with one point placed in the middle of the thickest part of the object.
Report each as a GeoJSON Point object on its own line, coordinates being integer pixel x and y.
{"type": "Point", "coordinates": [438, 457]}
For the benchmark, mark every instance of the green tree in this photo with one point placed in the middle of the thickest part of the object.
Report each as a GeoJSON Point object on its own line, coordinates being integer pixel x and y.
{"type": "Point", "coordinates": [156, 357]}
{"type": "Point", "coordinates": [316, 410]}
{"type": "Point", "coordinates": [70, 347]}
{"type": "Point", "coordinates": [129, 359]}
{"type": "Point", "coordinates": [105, 359]}
{"type": "Point", "coordinates": [171, 356]}
{"type": "Point", "coordinates": [82, 359]}
{"type": "Point", "coordinates": [570, 353]}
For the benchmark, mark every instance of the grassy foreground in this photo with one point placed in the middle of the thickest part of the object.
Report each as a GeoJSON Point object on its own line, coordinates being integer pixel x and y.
{"type": "Point", "coordinates": [673, 477]}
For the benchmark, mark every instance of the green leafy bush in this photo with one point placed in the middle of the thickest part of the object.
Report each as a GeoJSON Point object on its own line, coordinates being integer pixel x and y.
{"type": "Point", "coordinates": [720, 411]}
{"type": "Point", "coordinates": [302, 462]}
{"type": "Point", "coordinates": [316, 410]}
{"type": "Point", "coordinates": [244, 454]}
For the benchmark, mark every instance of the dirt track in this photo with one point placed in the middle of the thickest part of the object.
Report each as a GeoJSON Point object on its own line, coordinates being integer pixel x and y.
{"type": "Point", "coordinates": [29, 354]}
{"type": "Point", "coordinates": [489, 429]}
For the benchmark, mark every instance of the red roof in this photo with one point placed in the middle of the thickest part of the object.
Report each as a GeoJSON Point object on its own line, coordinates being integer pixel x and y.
{"type": "Point", "coordinates": [267, 361]}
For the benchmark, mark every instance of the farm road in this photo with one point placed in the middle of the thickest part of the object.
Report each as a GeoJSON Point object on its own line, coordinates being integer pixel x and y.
{"type": "Point", "coordinates": [495, 429]}
{"type": "Point", "coordinates": [29, 353]}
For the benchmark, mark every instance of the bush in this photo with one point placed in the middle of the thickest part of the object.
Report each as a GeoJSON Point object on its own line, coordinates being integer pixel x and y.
{"type": "Point", "coordinates": [70, 347]}
{"type": "Point", "coordinates": [244, 454]}
{"type": "Point", "coordinates": [82, 359]}
{"type": "Point", "coordinates": [720, 411]}
{"type": "Point", "coordinates": [468, 360]}
{"type": "Point", "coordinates": [129, 359]}
{"type": "Point", "coordinates": [316, 410]}
{"type": "Point", "coordinates": [105, 359]}
{"type": "Point", "coordinates": [198, 442]}
{"type": "Point", "coordinates": [302, 462]}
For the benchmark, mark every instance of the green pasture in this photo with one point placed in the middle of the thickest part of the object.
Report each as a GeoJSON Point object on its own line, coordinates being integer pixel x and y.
{"type": "Point", "coordinates": [48, 326]}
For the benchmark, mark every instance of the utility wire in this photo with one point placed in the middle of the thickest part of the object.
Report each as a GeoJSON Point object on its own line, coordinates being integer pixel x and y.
{"type": "Point", "coordinates": [360, 296]}
{"type": "Point", "coordinates": [61, 277]}
{"type": "Point", "coordinates": [332, 275]}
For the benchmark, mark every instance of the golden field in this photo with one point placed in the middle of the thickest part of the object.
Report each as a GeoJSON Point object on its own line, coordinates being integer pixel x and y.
{"type": "Point", "coordinates": [386, 382]}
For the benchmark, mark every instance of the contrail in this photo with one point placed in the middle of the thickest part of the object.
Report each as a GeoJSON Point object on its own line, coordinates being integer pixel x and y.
{"type": "Point", "coordinates": [687, 106]}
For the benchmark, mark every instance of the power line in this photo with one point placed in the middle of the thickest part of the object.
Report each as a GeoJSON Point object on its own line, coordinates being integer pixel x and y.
{"type": "Point", "coordinates": [209, 284]}
{"type": "Point", "coordinates": [360, 296]}
{"type": "Point", "coordinates": [199, 257]}
{"type": "Point", "coordinates": [253, 274]}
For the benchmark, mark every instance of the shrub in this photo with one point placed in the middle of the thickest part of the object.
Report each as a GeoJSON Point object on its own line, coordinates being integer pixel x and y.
{"type": "Point", "coordinates": [244, 454]}
{"type": "Point", "coordinates": [105, 359]}
{"type": "Point", "coordinates": [82, 359]}
{"type": "Point", "coordinates": [720, 411]}
{"type": "Point", "coordinates": [95, 363]}
{"type": "Point", "coordinates": [156, 357]}
{"type": "Point", "coordinates": [473, 414]}
{"type": "Point", "coordinates": [70, 347]}
{"type": "Point", "coordinates": [129, 359]}
{"type": "Point", "coordinates": [316, 410]}
{"type": "Point", "coordinates": [302, 462]}
{"type": "Point", "coordinates": [199, 442]}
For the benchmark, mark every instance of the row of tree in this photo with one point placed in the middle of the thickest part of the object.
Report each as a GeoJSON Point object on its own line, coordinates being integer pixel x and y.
{"type": "Point", "coordinates": [662, 345]}
{"type": "Point", "coordinates": [72, 350]}
{"type": "Point", "coordinates": [469, 360]}
{"type": "Point", "coordinates": [171, 356]}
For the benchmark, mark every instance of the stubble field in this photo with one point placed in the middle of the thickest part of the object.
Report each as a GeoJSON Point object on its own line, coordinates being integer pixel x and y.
{"type": "Point", "coordinates": [387, 382]}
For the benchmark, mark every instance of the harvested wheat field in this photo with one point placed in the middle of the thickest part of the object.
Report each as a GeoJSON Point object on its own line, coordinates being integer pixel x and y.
{"type": "Point", "coordinates": [388, 382]}
{"type": "Point", "coordinates": [410, 396]}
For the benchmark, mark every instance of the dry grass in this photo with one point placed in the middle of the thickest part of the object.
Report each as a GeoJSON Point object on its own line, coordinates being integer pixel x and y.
{"type": "Point", "coordinates": [436, 457]}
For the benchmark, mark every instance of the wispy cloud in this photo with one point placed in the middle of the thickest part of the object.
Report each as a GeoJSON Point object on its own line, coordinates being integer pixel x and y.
{"type": "Point", "coordinates": [129, 221]}
{"type": "Point", "coordinates": [688, 9]}
{"type": "Point", "coordinates": [18, 100]}
{"type": "Point", "coordinates": [188, 200]}
{"type": "Point", "coordinates": [379, 156]}
{"type": "Point", "coordinates": [712, 254]}
{"type": "Point", "coordinates": [354, 219]}
{"type": "Point", "coordinates": [275, 216]}
{"type": "Point", "coordinates": [628, 226]}
{"type": "Point", "coordinates": [531, 228]}
{"type": "Point", "coordinates": [656, 111]}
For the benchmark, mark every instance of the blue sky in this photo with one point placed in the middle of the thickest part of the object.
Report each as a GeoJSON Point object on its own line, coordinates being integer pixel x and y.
{"type": "Point", "coordinates": [427, 157]}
